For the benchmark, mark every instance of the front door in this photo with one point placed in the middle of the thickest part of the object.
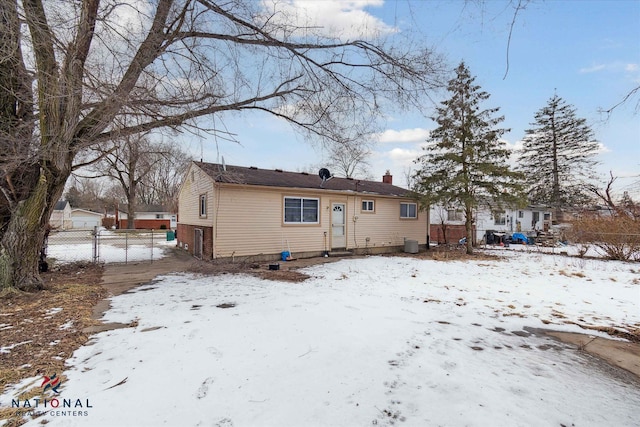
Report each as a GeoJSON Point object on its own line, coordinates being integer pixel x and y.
{"type": "Point", "coordinates": [338, 232]}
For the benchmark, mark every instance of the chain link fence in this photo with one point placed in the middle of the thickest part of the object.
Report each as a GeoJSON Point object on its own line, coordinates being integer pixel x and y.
{"type": "Point", "coordinates": [108, 246]}
{"type": "Point", "coordinates": [559, 240]}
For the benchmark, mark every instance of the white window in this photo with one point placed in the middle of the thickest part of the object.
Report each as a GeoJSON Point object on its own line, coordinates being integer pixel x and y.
{"type": "Point", "coordinates": [367, 206]}
{"type": "Point", "coordinates": [499, 218]}
{"type": "Point", "coordinates": [408, 210]}
{"type": "Point", "coordinates": [203, 206]}
{"type": "Point", "coordinates": [520, 214]}
{"type": "Point", "coordinates": [298, 210]}
{"type": "Point", "coordinates": [159, 216]}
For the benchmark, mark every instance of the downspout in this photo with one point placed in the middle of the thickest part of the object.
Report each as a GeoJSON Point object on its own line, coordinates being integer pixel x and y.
{"type": "Point", "coordinates": [428, 225]}
{"type": "Point", "coordinates": [355, 204]}
{"type": "Point", "coordinates": [214, 232]}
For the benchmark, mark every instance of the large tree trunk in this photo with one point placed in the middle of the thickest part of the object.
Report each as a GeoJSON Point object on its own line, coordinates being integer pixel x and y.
{"type": "Point", "coordinates": [25, 234]}
{"type": "Point", "coordinates": [468, 223]}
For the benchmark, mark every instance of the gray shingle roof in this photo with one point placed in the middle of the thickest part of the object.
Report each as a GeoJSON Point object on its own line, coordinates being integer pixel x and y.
{"type": "Point", "coordinates": [60, 205]}
{"type": "Point", "coordinates": [303, 180]}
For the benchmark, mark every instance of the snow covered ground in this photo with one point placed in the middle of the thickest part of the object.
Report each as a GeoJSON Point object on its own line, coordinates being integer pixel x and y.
{"type": "Point", "coordinates": [371, 341]}
{"type": "Point", "coordinates": [112, 247]}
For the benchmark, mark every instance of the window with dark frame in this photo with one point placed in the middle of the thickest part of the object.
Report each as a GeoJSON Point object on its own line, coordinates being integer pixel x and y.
{"type": "Point", "coordinates": [408, 210]}
{"type": "Point", "coordinates": [203, 206]}
{"type": "Point", "coordinates": [368, 206]}
{"type": "Point", "coordinates": [300, 210]}
{"type": "Point", "coordinates": [499, 218]}
{"type": "Point", "coordinates": [454, 215]}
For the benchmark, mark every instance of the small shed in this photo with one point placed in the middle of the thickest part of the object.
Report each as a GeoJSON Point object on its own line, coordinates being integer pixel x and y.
{"type": "Point", "coordinates": [61, 216]}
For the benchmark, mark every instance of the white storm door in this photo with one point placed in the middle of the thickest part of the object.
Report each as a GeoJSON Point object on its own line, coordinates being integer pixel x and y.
{"type": "Point", "coordinates": [338, 232]}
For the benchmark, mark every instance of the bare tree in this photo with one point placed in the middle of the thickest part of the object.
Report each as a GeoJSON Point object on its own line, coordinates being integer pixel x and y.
{"type": "Point", "coordinates": [129, 162]}
{"type": "Point", "coordinates": [632, 96]}
{"type": "Point", "coordinates": [161, 184]}
{"type": "Point", "coordinates": [624, 206]}
{"type": "Point", "coordinates": [166, 63]}
{"type": "Point", "coordinates": [86, 193]}
{"type": "Point", "coordinates": [350, 159]}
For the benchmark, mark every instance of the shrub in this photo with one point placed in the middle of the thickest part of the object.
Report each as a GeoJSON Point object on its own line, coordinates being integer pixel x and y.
{"type": "Point", "coordinates": [618, 236]}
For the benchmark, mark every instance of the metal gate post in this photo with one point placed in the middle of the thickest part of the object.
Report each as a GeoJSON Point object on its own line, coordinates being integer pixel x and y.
{"type": "Point", "coordinates": [95, 244]}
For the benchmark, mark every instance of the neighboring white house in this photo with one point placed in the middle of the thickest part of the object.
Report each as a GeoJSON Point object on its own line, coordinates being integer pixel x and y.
{"type": "Point", "coordinates": [83, 219]}
{"type": "Point", "coordinates": [526, 220]}
{"type": "Point", "coordinates": [61, 216]}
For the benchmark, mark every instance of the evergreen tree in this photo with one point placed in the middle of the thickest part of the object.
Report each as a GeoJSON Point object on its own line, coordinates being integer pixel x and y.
{"type": "Point", "coordinates": [466, 163]}
{"type": "Point", "coordinates": [557, 157]}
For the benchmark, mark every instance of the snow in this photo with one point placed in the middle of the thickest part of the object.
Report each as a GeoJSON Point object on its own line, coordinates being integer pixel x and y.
{"type": "Point", "coordinates": [108, 253]}
{"type": "Point", "coordinates": [369, 341]}
{"type": "Point", "coordinates": [588, 251]}
{"type": "Point", "coordinates": [51, 312]}
{"type": "Point", "coordinates": [8, 348]}
{"type": "Point", "coordinates": [67, 325]}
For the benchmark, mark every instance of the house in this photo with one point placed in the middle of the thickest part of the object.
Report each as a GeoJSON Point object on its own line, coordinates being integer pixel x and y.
{"type": "Point", "coordinates": [150, 217]}
{"type": "Point", "coordinates": [531, 219]}
{"type": "Point", "coordinates": [83, 219]}
{"type": "Point", "coordinates": [61, 216]}
{"type": "Point", "coordinates": [234, 211]}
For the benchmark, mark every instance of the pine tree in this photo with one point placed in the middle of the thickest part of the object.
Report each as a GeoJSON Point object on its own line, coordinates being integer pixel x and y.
{"type": "Point", "coordinates": [557, 157]}
{"type": "Point", "coordinates": [466, 164]}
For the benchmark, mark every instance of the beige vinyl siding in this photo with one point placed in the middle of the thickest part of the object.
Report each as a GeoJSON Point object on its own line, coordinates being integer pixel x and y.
{"type": "Point", "coordinates": [384, 227]}
{"type": "Point", "coordinates": [189, 197]}
{"type": "Point", "coordinates": [250, 221]}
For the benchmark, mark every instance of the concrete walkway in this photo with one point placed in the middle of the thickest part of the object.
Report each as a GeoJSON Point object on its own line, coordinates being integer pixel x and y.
{"type": "Point", "coordinates": [623, 354]}
{"type": "Point", "coordinates": [120, 278]}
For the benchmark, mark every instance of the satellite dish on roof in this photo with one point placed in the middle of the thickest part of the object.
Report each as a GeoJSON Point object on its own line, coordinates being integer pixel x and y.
{"type": "Point", "coordinates": [325, 175]}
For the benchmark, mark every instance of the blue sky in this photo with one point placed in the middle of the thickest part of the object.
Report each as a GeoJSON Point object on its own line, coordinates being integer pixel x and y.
{"type": "Point", "coordinates": [588, 52]}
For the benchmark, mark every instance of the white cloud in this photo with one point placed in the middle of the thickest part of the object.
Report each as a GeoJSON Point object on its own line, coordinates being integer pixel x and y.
{"type": "Point", "coordinates": [333, 18]}
{"type": "Point", "coordinates": [398, 160]}
{"type": "Point", "coordinates": [617, 66]}
{"type": "Point", "coordinates": [402, 136]}
{"type": "Point", "coordinates": [515, 146]}
{"type": "Point", "coordinates": [403, 156]}
{"type": "Point", "coordinates": [593, 68]}
{"type": "Point", "coordinates": [602, 149]}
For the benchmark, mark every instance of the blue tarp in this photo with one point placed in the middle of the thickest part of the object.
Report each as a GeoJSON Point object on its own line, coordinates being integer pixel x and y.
{"type": "Point", "coordinates": [521, 238]}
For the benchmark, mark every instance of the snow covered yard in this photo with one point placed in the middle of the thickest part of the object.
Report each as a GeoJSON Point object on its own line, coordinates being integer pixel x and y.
{"type": "Point", "coordinates": [372, 341]}
{"type": "Point", "coordinates": [112, 247]}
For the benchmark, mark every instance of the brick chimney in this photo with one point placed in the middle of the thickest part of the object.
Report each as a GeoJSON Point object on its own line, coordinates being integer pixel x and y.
{"type": "Point", "coordinates": [387, 178]}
